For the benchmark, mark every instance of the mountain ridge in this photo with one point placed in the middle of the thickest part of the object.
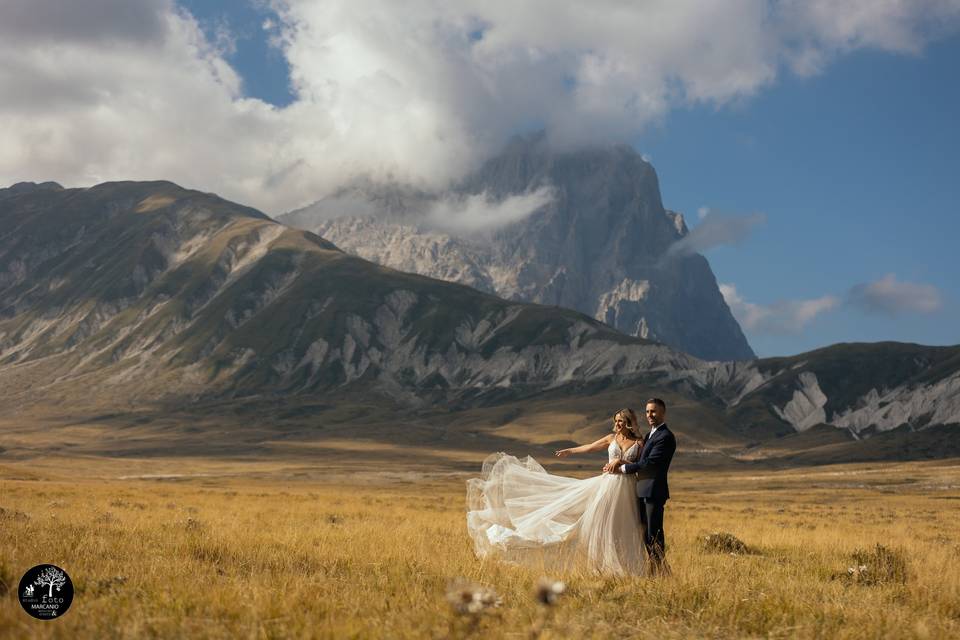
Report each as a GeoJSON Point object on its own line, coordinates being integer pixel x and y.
{"type": "Point", "coordinates": [599, 245]}
{"type": "Point", "coordinates": [191, 281]}
{"type": "Point", "coordinates": [143, 293]}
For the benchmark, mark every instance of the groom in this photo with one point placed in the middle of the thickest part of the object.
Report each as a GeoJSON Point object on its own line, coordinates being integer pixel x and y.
{"type": "Point", "coordinates": [652, 490]}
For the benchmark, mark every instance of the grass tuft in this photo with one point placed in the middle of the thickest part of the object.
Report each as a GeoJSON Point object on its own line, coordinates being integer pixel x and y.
{"type": "Point", "coordinates": [723, 542]}
{"type": "Point", "coordinates": [879, 565]}
{"type": "Point", "coordinates": [7, 577]}
{"type": "Point", "coordinates": [13, 514]}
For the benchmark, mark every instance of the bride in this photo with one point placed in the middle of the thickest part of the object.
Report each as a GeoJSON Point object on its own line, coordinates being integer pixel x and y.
{"type": "Point", "coordinates": [521, 513]}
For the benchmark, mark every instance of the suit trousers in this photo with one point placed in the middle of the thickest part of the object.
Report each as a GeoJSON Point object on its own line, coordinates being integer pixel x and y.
{"type": "Point", "coordinates": [651, 517]}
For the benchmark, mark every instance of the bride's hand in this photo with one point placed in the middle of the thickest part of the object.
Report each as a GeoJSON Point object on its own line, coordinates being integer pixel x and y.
{"type": "Point", "coordinates": [562, 453]}
{"type": "Point", "coordinates": [613, 466]}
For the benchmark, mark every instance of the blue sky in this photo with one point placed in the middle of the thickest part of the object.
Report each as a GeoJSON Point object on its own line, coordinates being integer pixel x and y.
{"type": "Point", "coordinates": [264, 69]}
{"type": "Point", "coordinates": [833, 123]}
{"type": "Point", "coordinates": [855, 170]}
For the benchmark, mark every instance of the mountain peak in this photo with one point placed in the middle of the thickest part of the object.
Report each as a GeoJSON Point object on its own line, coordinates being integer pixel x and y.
{"type": "Point", "coordinates": [531, 161]}
{"type": "Point", "coordinates": [596, 243]}
{"type": "Point", "coordinates": [540, 143]}
{"type": "Point", "coordinates": [27, 187]}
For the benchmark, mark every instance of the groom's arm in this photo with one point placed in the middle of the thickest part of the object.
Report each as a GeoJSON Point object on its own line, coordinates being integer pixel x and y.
{"type": "Point", "coordinates": [660, 453]}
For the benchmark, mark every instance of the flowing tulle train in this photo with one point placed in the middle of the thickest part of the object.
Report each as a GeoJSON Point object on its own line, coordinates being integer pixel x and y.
{"type": "Point", "coordinates": [520, 513]}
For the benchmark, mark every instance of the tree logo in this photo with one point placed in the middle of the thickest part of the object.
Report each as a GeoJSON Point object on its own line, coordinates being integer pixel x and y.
{"type": "Point", "coordinates": [45, 592]}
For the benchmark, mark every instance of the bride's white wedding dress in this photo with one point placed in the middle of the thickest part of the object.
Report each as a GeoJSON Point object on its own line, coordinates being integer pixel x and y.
{"type": "Point", "coordinates": [518, 511]}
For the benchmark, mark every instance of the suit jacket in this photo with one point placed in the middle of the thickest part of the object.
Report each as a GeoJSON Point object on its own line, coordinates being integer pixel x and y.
{"type": "Point", "coordinates": [652, 465]}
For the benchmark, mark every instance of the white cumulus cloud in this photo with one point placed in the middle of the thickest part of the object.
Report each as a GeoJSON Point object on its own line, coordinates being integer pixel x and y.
{"type": "Point", "coordinates": [479, 212]}
{"type": "Point", "coordinates": [781, 317]}
{"type": "Point", "coordinates": [715, 230]}
{"type": "Point", "coordinates": [416, 92]}
{"type": "Point", "coordinates": [891, 296]}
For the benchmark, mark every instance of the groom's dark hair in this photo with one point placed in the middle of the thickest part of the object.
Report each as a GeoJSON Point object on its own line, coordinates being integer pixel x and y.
{"type": "Point", "coordinates": [657, 401]}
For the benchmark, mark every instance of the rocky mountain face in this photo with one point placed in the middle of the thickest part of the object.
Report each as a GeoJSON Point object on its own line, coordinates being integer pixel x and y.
{"type": "Point", "coordinates": [598, 245]}
{"type": "Point", "coordinates": [141, 291]}
{"type": "Point", "coordinates": [860, 388]}
{"type": "Point", "coordinates": [168, 291]}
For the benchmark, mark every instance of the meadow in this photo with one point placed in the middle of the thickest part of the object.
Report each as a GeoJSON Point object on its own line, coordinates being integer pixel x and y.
{"type": "Point", "coordinates": [263, 553]}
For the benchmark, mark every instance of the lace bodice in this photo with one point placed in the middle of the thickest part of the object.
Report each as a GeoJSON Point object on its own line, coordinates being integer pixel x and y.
{"type": "Point", "coordinates": [630, 455]}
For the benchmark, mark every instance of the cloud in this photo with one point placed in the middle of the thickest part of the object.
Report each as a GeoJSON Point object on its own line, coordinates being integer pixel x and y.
{"type": "Point", "coordinates": [417, 92]}
{"type": "Point", "coordinates": [31, 23]}
{"type": "Point", "coordinates": [339, 205]}
{"type": "Point", "coordinates": [890, 296]}
{"type": "Point", "coordinates": [886, 295]}
{"type": "Point", "coordinates": [715, 230]}
{"type": "Point", "coordinates": [782, 317]}
{"type": "Point", "coordinates": [821, 29]}
{"type": "Point", "coordinates": [479, 213]}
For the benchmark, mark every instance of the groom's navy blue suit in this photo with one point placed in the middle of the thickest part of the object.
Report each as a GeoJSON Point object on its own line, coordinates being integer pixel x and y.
{"type": "Point", "coordinates": [652, 488]}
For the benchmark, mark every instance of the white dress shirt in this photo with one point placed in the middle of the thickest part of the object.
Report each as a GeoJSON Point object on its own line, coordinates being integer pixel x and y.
{"type": "Point", "coordinates": [623, 467]}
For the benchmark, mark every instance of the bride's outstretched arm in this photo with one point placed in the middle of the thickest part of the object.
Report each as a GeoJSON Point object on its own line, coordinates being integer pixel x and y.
{"type": "Point", "coordinates": [599, 445]}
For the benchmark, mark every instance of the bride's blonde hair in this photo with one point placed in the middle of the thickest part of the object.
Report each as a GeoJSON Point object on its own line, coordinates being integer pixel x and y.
{"type": "Point", "coordinates": [630, 417]}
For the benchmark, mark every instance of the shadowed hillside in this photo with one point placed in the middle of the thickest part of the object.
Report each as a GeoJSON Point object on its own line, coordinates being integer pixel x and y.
{"type": "Point", "coordinates": [145, 319]}
{"type": "Point", "coordinates": [161, 290]}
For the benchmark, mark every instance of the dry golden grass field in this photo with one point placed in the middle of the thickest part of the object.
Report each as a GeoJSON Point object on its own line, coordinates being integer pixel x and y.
{"type": "Point", "coordinates": [245, 549]}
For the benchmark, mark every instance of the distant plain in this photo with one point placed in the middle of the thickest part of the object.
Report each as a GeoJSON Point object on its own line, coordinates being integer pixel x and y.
{"type": "Point", "coordinates": [344, 520]}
